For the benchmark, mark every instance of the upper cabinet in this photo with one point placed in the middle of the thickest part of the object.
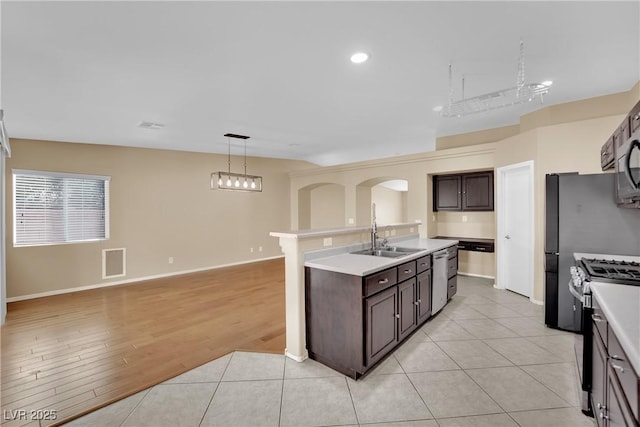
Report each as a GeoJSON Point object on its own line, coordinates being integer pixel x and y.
{"type": "Point", "coordinates": [463, 192]}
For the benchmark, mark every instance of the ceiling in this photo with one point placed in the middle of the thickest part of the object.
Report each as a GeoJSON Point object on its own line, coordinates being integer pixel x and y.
{"type": "Point", "coordinates": [85, 71]}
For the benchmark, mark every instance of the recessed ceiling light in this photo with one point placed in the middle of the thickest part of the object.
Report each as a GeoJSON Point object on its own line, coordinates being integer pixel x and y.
{"type": "Point", "coordinates": [359, 57]}
{"type": "Point", "coordinates": [546, 83]}
{"type": "Point", "coordinates": [437, 108]}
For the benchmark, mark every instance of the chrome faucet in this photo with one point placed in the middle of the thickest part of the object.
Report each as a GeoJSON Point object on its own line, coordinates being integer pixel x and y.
{"type": "Point", "coordinates": [374, 228]}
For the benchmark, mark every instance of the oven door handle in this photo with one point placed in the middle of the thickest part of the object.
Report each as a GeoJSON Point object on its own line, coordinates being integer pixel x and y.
{"type": "Point", "coordinates": [627, 164]}
{"type": "Point", "coordinates": [575, 293]}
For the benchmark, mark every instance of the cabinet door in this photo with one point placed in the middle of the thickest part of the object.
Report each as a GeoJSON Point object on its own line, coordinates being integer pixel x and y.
{"type": "Point", "coordinates": [381, 324]}
{"type": "Point", "coordinates": [424, 295]}
{"type": "Point", "coordinates": [407, 308]}
{"type": "Point", "coordinates": [598, 381]}
{"type": "Point", "coordinates": [477, 191]}
{"type": "Point", "coordinates": [447, 193]}
{"type": "Point", "coordinates": [618, 413]}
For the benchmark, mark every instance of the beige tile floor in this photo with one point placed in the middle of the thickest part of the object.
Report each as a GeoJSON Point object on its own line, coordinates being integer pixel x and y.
{"type": "Point", "coordinates": [486, 360]}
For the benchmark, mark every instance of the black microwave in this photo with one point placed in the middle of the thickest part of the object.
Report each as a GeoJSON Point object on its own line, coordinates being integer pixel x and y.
{"type": "Point", "coordinates": [628, 170]}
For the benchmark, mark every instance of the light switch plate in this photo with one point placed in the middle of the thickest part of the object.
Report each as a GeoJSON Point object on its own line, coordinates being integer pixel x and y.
{"type": "Point", "coordinates": [464, 218]}
{"type": "Point", "coordinates": [351, 221]}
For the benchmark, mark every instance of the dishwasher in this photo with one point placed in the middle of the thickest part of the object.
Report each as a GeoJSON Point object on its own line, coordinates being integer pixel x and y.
{"type": "Point", "coordinates": [439, 290]}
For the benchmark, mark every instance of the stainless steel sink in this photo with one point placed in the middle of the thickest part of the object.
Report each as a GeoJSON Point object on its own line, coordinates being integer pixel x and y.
{"type": "Point", "coordinates": [401, 249]}
{"type": "Point", "coordinates": [388, 251]}
{"type": "Point", "coordinates": [381, 253]}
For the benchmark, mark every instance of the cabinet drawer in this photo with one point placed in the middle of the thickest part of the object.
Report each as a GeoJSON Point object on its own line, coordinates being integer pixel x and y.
{"type": "Point", "coordinates": [619, 364]}
{"type": "Point", "coordinates": [452, 266]}
{"type": "Point", "coordinates": [379, 281]}
{"type": "Point", "coordinates": [482, 247]}
{"type": "Point", "coordinates": [453, 251]}
{"type": "Point", "coordinates": [423, 264]}
{"type": "Point", "coordinates": [406, 271]}
{"type": "Point", "coordinates": [452, 287]}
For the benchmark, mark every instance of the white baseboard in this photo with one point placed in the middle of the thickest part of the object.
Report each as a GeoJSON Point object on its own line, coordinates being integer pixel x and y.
{"type": "Point", "coordinates": [302, 358]}
{"type": "Point", "coordinates": [136, 279]}
{"type": "Point", "coordinates": [535, 301]}
{"type": "Point", "coordinates": [462, 273]}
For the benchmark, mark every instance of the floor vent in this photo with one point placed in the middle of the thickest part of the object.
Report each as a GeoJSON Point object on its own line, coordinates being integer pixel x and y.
{"type": "Point", "coordinates": [114, 263]}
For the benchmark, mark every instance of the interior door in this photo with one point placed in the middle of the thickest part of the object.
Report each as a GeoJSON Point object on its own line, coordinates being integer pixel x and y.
{"type": "Point", "coordinates": [3, 289]}
{"type": "Point", "coordinates": [516, 229]}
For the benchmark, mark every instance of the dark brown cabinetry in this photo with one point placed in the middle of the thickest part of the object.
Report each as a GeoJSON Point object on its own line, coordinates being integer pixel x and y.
{"type": "Point", "coordinates": [352, 322]}
{"type": "Point", "coordinates": [614, 385]}
{"type": "Point", "coordinates": [463, 192]}
{"type": "Point", "coordinates": [452, 267]}
{"type": "Point", "coordinates": [610, 148]}
{"type": "Point", "coordinates": [381, 331]}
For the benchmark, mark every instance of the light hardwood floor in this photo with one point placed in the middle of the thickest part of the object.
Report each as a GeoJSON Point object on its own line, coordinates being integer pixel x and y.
{"type": "Point", "coordinates": [77, 352]}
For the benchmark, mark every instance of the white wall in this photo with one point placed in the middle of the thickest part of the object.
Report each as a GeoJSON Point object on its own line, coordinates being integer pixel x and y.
{"type": "Point", "coordinates": [389, 205]}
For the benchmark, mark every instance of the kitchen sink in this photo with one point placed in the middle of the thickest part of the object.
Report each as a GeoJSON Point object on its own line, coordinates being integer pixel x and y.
{"type": "Point", "coordinates": [388, 251]}
{"type": "Point", "coordinates": [400, 249]}
{"type": "Point", "coordinates": [381, 253]}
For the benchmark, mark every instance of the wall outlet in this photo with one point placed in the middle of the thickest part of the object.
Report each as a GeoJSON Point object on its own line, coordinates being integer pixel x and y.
{"type": "Point", "coordinates": [393, 232]}
{"type": "Point", "coordinates": [251, 250]}
{"type": "Point", "coordinates": [259, 248]}
{"type": "Point", "coordinates": [350, 221]}
{"type": "Point", "coordinates": [328, 241]}
{"type": "Point", "coordinates": [410, 229]}
{"type": "Point", "coordinates": [170, 260]}
{"type": "Point", "coordinates": [464, 218]}
{"type": "Point", "coordinates": [433, 217]}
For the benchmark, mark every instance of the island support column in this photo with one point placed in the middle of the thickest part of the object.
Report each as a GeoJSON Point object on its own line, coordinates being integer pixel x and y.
{"type": "Point", "coordinates": [295, 321]}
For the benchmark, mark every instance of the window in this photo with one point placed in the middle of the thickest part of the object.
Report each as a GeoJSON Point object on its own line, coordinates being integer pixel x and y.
{"type": "Point", "coordinates": [51, 208]}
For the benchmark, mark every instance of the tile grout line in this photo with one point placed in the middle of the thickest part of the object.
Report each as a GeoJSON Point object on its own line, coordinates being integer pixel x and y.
{"type": "Point", "coordinates": [136, 406]}
{"type": "Point", "coordinates": [204, 414]}
{"type": "Point", "coordinates": [284, 373]}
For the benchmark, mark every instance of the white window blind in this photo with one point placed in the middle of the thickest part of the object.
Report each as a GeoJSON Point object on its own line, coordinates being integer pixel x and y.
{"type": "Point", "coordinates": [52, 208]}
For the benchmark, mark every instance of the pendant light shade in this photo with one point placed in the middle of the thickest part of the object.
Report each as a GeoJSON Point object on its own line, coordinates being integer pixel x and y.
{"type": "Point", "coordinates": [236, 181]}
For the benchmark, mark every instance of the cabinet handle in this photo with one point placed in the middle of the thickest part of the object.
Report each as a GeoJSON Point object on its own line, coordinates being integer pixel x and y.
{"type": "Point", "coordinates": [616, 357]}
{"type": "Point", "coordinates": [416, 303]}
{"type": "Point", "coordinates": [424, 264]}
{"type": "Point", "coordinates": [383, 281]}
{"type": "Point", "coordinates": [419, 301]}
{"type": "Point", "coordinates": [397, 316]}
{"type": "Point", "coordinates": [601, 406]}
{"type": "Point", "coordinates": [603, 416]}
{"type": "Point", "coordinates": [597, 318]}
{"type": "Point", "coordinates": [618, 367]}
{"type": "Point", "coordinates": [482, 249]}
{"type": "Point", "coordinates": [407, 271]}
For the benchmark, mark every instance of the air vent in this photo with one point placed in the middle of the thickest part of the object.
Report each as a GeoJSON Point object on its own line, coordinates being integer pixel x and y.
{"type": "Point", "coordinates": [114, 263]}
{"type": "Point", "coordinates": [150, 125]}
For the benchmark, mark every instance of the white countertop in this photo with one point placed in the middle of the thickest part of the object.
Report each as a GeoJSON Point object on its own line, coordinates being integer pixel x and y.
{"type": "Point", "coordinates": [322, 232]}
{"type": "Point", "coordinates": [621, 306]}
{"type": "Point", "coordinates": [362, 265]}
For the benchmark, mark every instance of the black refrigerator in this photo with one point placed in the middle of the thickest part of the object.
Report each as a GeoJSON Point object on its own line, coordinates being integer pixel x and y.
{"type": "Point", "coordinates": [581, 216]}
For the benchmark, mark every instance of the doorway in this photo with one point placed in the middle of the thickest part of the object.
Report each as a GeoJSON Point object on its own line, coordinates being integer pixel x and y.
{"type": "Point", "coordinates": [515, 237]}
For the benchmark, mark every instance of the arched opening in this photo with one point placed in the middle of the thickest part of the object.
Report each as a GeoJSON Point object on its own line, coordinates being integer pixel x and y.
{"type": "Point", "coordinates": [321, 206]}
{"type": "Point", "coordinates": [390, 196]}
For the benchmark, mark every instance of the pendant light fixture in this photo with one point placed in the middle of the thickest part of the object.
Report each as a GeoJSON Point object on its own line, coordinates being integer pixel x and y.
{"type": "Point", "coordinates": [520, 94]}
{"type": "Point", "coordinates": [236, 181]}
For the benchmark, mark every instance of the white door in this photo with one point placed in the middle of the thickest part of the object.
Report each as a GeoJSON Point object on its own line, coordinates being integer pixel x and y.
{"type": "Point", "coordinates": [515, 228]}
{"type": "Point", "coordinates": [3, 290]}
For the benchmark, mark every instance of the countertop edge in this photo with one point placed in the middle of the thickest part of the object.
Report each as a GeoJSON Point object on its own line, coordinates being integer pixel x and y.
{"type": "Point", "coordinates": [385, 262]}
{"type": "Point", "coordinates": [632, 350]}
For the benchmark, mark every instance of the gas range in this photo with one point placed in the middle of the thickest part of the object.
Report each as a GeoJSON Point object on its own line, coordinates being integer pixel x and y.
{"type": "Point", "coordinates": [625, 272]}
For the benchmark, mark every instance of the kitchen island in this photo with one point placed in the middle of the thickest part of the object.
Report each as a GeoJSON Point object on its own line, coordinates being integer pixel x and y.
{"type": "Point", "coordinates": [358, 308]}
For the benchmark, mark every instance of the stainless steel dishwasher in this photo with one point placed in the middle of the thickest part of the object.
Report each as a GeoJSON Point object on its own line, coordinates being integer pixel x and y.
{"type": "Point", "coordinates": [439, 293]}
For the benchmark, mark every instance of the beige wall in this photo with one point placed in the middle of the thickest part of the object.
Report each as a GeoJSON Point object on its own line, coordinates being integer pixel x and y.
{"type": "Point", "coordinates": [161, 207]}
{"type": "Point", "coordinates": [388, 205]}
{"type": "Point", "coordinates": [327, 206]}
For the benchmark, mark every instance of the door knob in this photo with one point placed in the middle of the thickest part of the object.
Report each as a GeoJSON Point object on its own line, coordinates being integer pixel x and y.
{"type": "Point", "coordinates": [507, 237]}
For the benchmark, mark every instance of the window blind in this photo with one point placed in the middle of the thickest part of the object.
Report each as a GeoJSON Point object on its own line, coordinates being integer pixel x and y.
{"type": "Point", "coordinates": [53, 208]}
